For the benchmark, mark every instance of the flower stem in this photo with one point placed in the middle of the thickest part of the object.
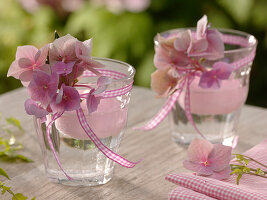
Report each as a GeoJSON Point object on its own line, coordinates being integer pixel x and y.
{"type": "Point", "coordinates": [252, 160]}
{"type": "Point", "coordinates": [263, 176]}
{"type": "Point", "coordinates": [251, 169]}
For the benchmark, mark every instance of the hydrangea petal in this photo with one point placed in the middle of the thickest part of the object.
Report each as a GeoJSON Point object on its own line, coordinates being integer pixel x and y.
{"type": "Point", "coordinates": [216, 46]}
{"type": "Point", "coordinates": [26, 51]}
{"type": "Point", "coordinates": [63, 68]}
{"type": "Point", "coordinates": [197, 167]}
{"type": "Point", "coordinates": [40, 59]}
{"type": "Point", "coordinates": [199, 150]}
{"type": "Point", "coordinates": [43, 87]}
{"type": "Point", "coordinates": [224, 70]}
{"type": "Point", "coordinates": [92, 101]}
{"type": "Point", "coordinates": [223, 174]}
{"type": "Point", "coordinates": [162, 82]}
{"type": "Point", "coordinates": [70, 100]}
{"type": "Point", "coordinates": [26, 76]}
{"type": "Point", "coordinates": [201, 27]}
{"type": "Point", "coordinates": [220, 157]}
{"type": "Point", "coordinates": [25, 62]}
{"type": "Point", "coordinates": [33, 109]}
{"type": "Point", "coordinates": [184, 41]}
{"type": "Point", "coordinates": [14, 70]}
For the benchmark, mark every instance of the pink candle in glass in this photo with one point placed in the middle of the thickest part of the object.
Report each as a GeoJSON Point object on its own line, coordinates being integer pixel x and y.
{"type": "Point", "coordinates": [108, 120]}
{"type": "Point", "coordinates": [228, 98]}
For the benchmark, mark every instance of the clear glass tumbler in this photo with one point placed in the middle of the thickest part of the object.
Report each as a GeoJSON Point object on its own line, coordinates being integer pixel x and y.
{"type": "Point", "coordinates": [80, 158]}
{"type": "Point", "coordinates": [215, 111]}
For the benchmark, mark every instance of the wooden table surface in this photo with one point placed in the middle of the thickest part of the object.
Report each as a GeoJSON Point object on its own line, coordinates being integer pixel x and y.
{"type": "Point", "coordinates": [145, 181]}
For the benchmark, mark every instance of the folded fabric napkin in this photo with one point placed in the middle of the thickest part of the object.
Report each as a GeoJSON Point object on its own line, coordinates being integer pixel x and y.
{"type": "Point", "coordinates": [198, 187]}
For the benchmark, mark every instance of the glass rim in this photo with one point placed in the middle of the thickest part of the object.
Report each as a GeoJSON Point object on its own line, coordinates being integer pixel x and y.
{"type": "Point", "coordinates": [252, 41]}
{"type": "Point", "coordinates": [130, 68]}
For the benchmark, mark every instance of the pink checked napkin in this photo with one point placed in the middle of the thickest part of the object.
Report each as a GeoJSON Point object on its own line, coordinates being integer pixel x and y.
{"type": "Point", "coordinates": [199, 188]}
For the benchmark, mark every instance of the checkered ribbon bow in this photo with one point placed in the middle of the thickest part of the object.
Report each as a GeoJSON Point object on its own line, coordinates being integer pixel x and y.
{"type": "Point", "coordinates": [87, 129]}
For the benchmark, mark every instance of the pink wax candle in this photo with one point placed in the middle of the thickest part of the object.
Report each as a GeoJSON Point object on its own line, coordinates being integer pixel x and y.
{"type": "Point", "coordinates": [108, 120]}
{"type": "Point", "coordinates": [206, 101]}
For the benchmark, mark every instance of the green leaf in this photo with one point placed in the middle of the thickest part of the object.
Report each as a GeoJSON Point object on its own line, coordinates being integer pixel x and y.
{"type": "Point", "coordinates": [14, 122]}
{"type": "Point", "coordinates": [238, 178]}
{"type": "Point", "coordinates": [246, 170]}
{"type": "Point", "coordinates": [19, 196]}
{"type": "Point", "coordinates": [259, 172]}
{"type": "Point", "coordinates": [23, 158]}
{"type": "Point", "coordinates": [3, 173]}
{"type": "Point", "coordinates": [33, 198]}
{"type": "Point", "coordinates": [4, 189]}
{"type": "Point", "coordinates": [236, 171]}
{"type": "Point", "coordinates": [10, 156]}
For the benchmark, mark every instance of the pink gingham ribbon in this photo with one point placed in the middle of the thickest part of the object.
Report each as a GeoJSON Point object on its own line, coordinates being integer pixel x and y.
{"type": "Point", "coordinates": [185, 84]}
{"type": "Point", "coordinates": [88, 130]}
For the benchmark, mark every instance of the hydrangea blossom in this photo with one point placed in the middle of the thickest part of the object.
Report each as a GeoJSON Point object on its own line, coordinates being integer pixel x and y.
{"type": "Point", "coordinates": [206, 159]}
{"type": "Point", "coordinates": [43, 87]}
{"type": "Point", "coordinates": [183, 53]}
{"type": "Point", "coordinates": [95, 95]}
{"type": "Point", "coordinates": [67, 99]}
{"type": "Point", "coordinates": [28, 59]}
{"type": "Point", "coordinates": [212, 79]}
{"type": "Point", "coordinates": [52, 72]}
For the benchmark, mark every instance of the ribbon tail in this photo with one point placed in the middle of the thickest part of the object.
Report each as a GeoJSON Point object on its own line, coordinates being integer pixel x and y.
{"type": "Point", "coordinates": [48, 132]}
{"type": "Point", "coordinates": [105, 150]}
{"type": "Point", "coordinates": [167, 107]}
{"type": "Point", "coordinates": [188, 107]}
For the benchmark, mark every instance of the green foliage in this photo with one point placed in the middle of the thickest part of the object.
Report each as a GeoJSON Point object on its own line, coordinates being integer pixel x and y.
{"type": "Point", "coordinates": [19, 196]}
{"type": "Point", "coordinates": [15, 196]}
{"type": "Point", "coordinates": [242, 169]}
{"type": "Point", "coordinates": [8, 148]}
{"type": "Point", "coordinates": [129, 36]}
{"type": "Point", "coordinates": [14, 122]}
{"type": "Point", "coordinates": [3, 173]}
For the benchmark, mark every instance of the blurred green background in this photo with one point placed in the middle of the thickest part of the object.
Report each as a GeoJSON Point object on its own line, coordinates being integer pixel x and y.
{"type": "Point", "coordinates": [124, 30]}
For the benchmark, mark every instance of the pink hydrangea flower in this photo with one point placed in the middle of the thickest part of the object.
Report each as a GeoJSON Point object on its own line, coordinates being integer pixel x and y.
{"type": "Point", "coordinates": [206, 159]}
{"type": "Point", "coordinates": [63, 68]}
{"type": "Point", "coordinates": [28, 59]}
{"type": "Point", "coordinates": [92, 101]}
{"type": "Point", "coordinates": [68, 99]}
{"type": "Point", "coordinates": [167, 56]}
{"type": "Point", "coordinates": [184, 41]}
{"type": "Point", "coordinates": [83, 52]}
{"type": "Point", "coordinates": [163, 82]}
{"type": "Point", "coordinates": [43, 87]}
{"type": "Point", "coordinates": [63, 49]}
{"type": "Point", "coordinates": [94, 96]}
{"type": "Point", "coordinates": [212, 79]}
{"type": "Point", "coordinates": [208, 43]}
{"type": "Point", "coordinates": [32, 108]}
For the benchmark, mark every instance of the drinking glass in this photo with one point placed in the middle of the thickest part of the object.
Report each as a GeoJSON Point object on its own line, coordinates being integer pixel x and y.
{"type": "Point", "coordinates": [80, 158]}
{"type": "Point", "coordinates": [215, 111]}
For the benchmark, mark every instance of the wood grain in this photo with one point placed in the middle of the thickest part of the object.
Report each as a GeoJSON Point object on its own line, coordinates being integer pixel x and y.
{"type": "Point", "coordinates": [145, 181]}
